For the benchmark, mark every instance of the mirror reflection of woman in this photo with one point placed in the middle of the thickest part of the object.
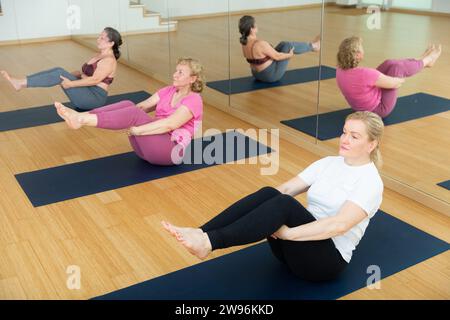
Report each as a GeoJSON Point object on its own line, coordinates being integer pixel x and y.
{"type": "Point", "coordinates": [376, 90]}
{"type": "Point", "coordinates": [316, 243]}
{"type": "Point", "coordinates": [87, 88]}
{"type": "Point", "coordinates": [269, 64]}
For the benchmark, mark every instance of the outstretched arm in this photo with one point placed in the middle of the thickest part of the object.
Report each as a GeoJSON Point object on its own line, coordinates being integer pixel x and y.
{"type": "Point", "coordinates": [149, 105]}
{"type": "Point", "coordinates": [175, 121]}
{"type": "Point", "coordinates": [387, 82]}
{"type": "Point", "coordinates": [267, 49]}
{"type": "Point", "coordinates": [348, 216]}
{"type": "Point", "coordinates": [293, 187]}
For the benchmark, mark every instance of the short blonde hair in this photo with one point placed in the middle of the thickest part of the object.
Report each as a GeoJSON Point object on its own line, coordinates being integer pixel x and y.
{"type": "Point", "coordinates": [196, 70]}
{"type": "Point", "coordinates": [346, 56]}
{"type": "Point", "coordinates": [374, 128]}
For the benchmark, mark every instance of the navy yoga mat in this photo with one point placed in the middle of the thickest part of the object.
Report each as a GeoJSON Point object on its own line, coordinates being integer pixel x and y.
{"type": "Point", "coordinates": [93, 176]}
{"type": "Point", "coordinates": [38, 116]}
{"type": "Point", "coordinates": [445, 184]}
{"type": "Point", "coordinates": [407, 108]}
{"type": "Point", "coordinates": [247, 84]}
{"type": "Point", "coordinates": [254, 273]}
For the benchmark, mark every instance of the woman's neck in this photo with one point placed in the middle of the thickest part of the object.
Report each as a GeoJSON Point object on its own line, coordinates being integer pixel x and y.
{"type": "Point", "coordinates": [105, 52]}
{"type": "Point", "coordinates": [355, 162]}
{"type": "Point", "coordinates": [184, 90]}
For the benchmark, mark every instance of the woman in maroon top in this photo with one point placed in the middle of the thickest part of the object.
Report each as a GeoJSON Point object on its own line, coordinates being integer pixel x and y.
{"type": "Point", "coordinates": [269, 64]}
{"type": "Point", "coordinates": [87, 89]}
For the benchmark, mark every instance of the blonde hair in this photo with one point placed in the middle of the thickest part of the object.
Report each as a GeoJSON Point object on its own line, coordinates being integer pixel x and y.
{"type": "Point", "coordinates": [374, 129]}
{"type": "Point", "coordinates": [346, 56]}
{"type": "Point", "coordinates": [196, 70]}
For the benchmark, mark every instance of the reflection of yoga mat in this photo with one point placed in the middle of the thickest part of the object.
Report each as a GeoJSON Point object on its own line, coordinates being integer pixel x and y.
{"type": "Point", "coordinates": [38, 116]}
{"type": "Point", "coordinates": [407, 108]}
{"type": "Point", "coordinates": [93, 176]}
{"type": "Point", "coordinates": [445, 184]}
{"type": "Point", "coordinates": [254, 273]}
{"type": "Point", "coordinates": [248, 84]}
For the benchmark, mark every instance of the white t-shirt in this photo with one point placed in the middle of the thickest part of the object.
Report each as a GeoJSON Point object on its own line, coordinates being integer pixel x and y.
{"type": "Point", "coordinates": [332, 182]}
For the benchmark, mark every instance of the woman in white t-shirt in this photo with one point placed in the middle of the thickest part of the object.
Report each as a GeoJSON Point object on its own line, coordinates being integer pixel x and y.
{"type": "Point", "coordinates": [316, 243]}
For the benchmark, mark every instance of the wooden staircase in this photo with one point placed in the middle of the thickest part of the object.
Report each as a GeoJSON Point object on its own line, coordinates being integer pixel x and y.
{"type": "Point", "coordinates": [164, 25]}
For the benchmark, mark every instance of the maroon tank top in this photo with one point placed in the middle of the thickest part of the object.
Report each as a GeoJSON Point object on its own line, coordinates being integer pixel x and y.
{"type": "Point", "coordinates": [89, 69]}
{"type": "Point", "coordinates": [257, 61]}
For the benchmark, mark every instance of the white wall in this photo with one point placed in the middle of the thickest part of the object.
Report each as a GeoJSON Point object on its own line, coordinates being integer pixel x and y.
{"type": "Point", "coordinates": [8, 21]}
{"type": "Point", "coordinates": [179, 8]}
{"type": "Point", "coordinates": [441, 6]}
{"type": "Point", "coordinates": [28, 19]}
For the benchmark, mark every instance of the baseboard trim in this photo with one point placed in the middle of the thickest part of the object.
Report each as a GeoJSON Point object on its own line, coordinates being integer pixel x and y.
{"type": "Point", "coordinates": [253, 11]}
{"type": "Point", "coordinates": [34, 40]}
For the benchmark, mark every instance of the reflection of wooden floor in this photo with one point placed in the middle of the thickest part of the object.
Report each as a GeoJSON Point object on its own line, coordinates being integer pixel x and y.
{"type": "Point", "coordinates": [420, 143]}
{"type": "Point", "coordinates": [115, 237]}
{"type": "Point", "coordinates": [415, 152]}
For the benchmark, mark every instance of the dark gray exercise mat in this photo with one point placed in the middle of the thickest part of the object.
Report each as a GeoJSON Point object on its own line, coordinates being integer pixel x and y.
{"type": "Point", "coordinates": [410, 107]}
{"type": "Point", "coordinates": [388, 246]}
{"type": "Point", "coordinates": [93, 176]}
{"type": "Point", "coordinates": [445, 184]}
{"type": "Point", "coordinates": [247, 84]}
{"type": "Point", "coordinates": [39, 116]}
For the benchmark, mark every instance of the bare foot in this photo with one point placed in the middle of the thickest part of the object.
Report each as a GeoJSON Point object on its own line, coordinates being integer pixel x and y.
{"type": "Point", "coordinates": [427, 51]}
{"type": "Point", "coordinates": [174, 230]}
{"type": "Point", "coordinates": [71, 117]}
{"type": "Point", "coordinates": [194, 240]}
{"type": "Point", "coordinates": [434, 55]}
{"type": "Point", "coordinates": [17, 84]}
{"type": "Point", "coordinates": [316, 44]}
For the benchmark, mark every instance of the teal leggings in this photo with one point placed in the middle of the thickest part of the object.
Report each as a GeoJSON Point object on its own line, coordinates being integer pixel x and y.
{"type": "Point", "coordinates": [84, 98]}
{"type": "Point", "coordinates": [277, 69]}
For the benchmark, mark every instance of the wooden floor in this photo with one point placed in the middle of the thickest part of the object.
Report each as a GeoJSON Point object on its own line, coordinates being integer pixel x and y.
{"type": "Point", "coordinates": [115, 237]}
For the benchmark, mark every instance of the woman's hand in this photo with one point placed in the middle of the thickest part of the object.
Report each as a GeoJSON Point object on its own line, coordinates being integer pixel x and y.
{"type": "Point", "coordinates": [282, 233]}
{"type": "Point", "coordinates": [66, 83]}
{"type": "Point", "coordinates": [291, 52]}
{"type": "Point", "coordinates": [133, 131]}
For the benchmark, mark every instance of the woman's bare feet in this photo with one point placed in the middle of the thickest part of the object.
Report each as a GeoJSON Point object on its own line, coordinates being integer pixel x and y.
{"type": "Point", "coordinates": [71, 117]}
{"type": "Point", "coordinates": [316, 44]}
{"type": "Point", "coordinates": [194, 240]}
{"type": "Point", "coordinates": [427, 51]}
{"type": "Point", "coordinates": [433, 54]}
{"type": "Point", "coordinates": [16, 83]}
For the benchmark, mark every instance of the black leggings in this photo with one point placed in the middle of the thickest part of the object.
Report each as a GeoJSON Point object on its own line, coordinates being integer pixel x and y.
{"type": "Point", "coordinates": [258, 216]}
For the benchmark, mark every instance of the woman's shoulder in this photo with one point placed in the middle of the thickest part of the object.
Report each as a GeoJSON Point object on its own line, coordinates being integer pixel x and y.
{"type": "Point", "coordinates": [371, 176]}
{"type": "Point", "coordinates": [195, 97]}
{"type": "Point", "coordinates": [109, 58]}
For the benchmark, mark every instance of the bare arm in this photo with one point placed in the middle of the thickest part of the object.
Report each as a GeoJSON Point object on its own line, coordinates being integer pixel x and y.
{"type": "Point", "coordinates": [149, 105]}
{"type": "Point", "coordinates": [267, 49]}
{"type": "Point", "coordinates": [387, 82]}
{"type": "Point", "coordinates": [293, 187]}
{"type": "Point", "coordinates": [348, 216]}
{"type": "Point", "coordinates": [175, 121]}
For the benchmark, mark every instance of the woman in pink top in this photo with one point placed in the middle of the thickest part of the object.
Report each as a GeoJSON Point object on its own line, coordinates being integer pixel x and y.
{"type": "Point", "coordinates": [367, 89]}
{"type": "Point", "coordinates": [179, 110]}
